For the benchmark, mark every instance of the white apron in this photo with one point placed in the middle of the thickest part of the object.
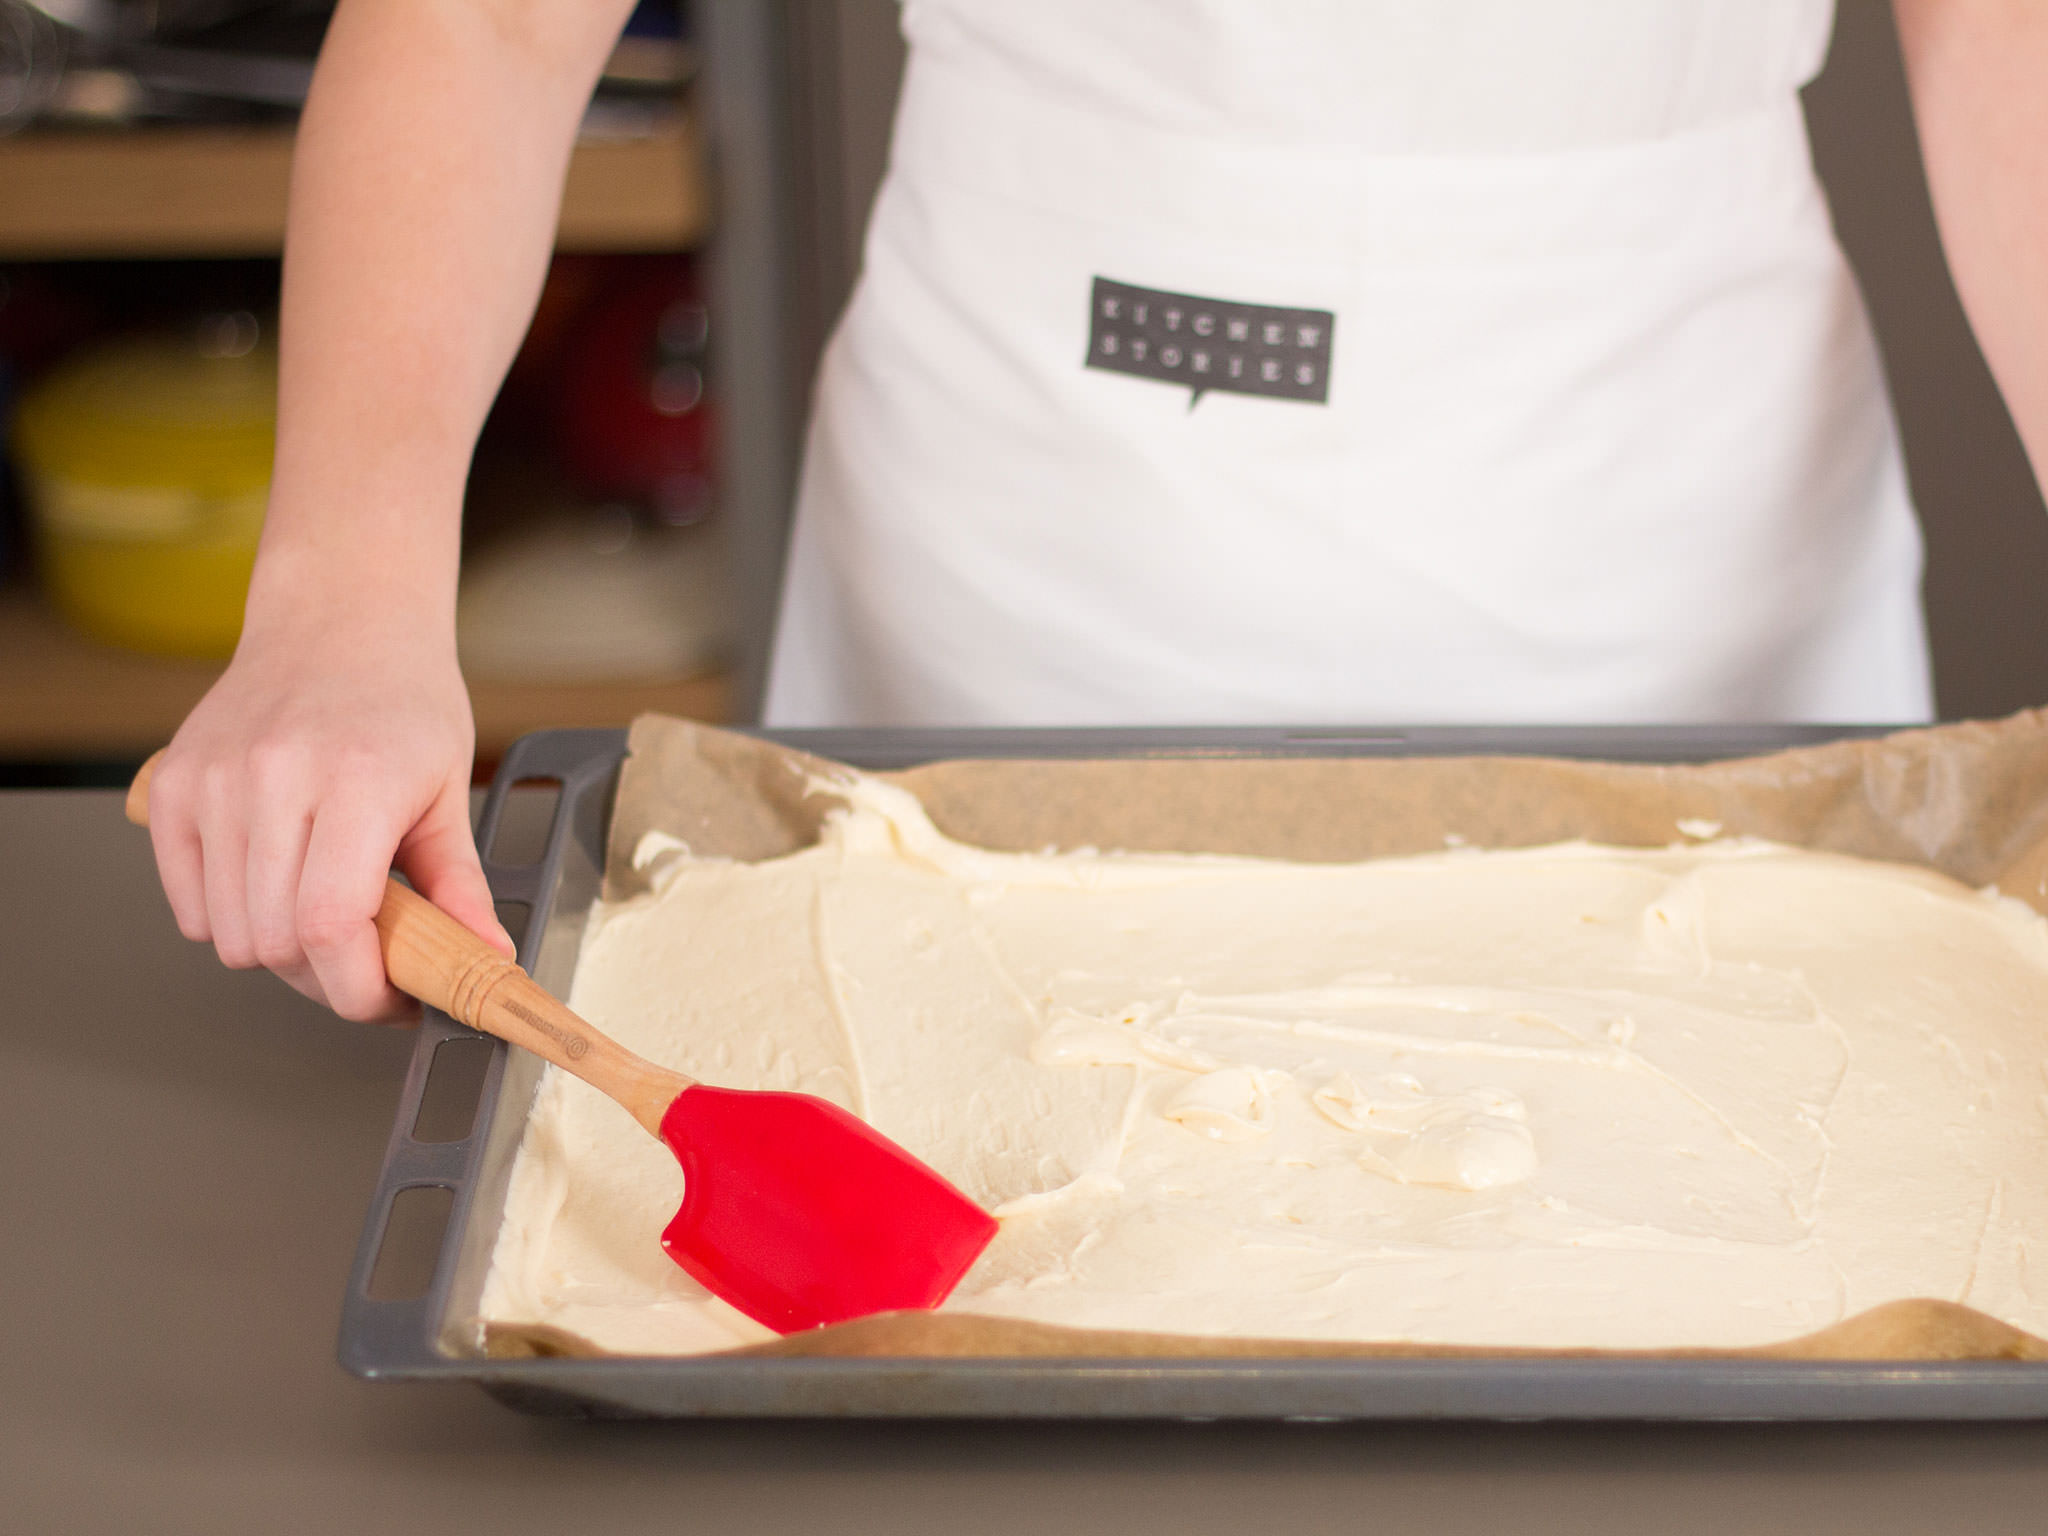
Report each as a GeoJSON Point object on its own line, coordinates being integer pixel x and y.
{"type": "Point", "coordinates": [1586, 425]}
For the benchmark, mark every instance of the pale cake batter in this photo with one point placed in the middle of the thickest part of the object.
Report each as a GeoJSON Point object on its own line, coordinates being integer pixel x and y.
{"type": "Point", "coordinates": [1709, 1095]}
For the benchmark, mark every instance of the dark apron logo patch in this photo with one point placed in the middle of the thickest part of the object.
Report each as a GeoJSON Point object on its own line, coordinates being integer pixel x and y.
{"type": "Point", "coordinates": [1204, 344]}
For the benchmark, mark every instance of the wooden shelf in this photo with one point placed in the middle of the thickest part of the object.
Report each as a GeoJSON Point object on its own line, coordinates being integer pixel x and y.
{"type": "Point", "coordinates": [63, 697]}
{"type": "Point", "coordinates": [221, 192]}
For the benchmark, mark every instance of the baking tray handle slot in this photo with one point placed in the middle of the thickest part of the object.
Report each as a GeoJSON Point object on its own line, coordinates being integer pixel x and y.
{"type": "Point", "coordinates": [388, 1313]}
{"type": "Point", "coordinates": [386, 1328]}
{"type": "Point", "coordinates": [575, 761]}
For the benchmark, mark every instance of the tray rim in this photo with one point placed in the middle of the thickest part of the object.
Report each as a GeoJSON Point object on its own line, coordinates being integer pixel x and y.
{"type": "Point", "coordinates": [402, 1340]}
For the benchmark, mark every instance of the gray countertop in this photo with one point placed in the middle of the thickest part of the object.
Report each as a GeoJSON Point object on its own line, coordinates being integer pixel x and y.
{"type": "Point", "coordinates": [185, 1156]}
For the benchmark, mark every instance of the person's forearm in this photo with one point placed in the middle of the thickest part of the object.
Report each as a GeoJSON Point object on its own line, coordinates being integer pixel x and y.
{"type": "Point", "coordinates": [424, 195]}
{"type": "Point", "coordinates": [1979, 76]}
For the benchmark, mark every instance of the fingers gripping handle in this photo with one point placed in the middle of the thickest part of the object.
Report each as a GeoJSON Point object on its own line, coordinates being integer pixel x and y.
{"type": "Point", "coordinates": [431, 956]}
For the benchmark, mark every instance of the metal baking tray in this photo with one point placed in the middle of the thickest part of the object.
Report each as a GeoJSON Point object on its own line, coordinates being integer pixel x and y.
{"type": "Point", "coordinates": [431, 1335]}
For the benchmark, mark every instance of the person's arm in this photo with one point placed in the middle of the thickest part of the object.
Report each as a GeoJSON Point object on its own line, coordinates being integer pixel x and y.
{"type": "Point", "coordinates": [424, 194]}
{"type": "Point", "coordinates": [1979, 76]}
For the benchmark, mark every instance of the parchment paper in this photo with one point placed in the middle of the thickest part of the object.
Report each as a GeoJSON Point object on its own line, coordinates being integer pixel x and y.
{"type": "Point", "coordinates": [1970, 800]}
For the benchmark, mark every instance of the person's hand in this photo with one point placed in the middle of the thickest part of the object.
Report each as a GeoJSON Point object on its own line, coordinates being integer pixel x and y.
{"type": "Point", "coordinates": [426, 180]}
{"type": "Point", "coordinates": [336, 745]}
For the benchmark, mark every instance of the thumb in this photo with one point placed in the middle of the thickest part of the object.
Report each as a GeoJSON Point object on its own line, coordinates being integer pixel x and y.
{"type": "Point", "coordinates": [439, 857]}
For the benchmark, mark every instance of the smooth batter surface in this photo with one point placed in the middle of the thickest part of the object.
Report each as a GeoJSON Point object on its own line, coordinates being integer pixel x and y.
{"type": "Point", "coordinates": [1576, 1095]}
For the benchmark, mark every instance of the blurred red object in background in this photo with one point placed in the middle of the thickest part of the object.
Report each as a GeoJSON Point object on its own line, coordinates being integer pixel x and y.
{"type": "Point", "coordinates": [632, 420]}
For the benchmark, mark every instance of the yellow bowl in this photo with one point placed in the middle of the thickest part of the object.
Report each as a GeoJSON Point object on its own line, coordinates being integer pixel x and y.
{"type": "Point", "coordinates": [146, 466]}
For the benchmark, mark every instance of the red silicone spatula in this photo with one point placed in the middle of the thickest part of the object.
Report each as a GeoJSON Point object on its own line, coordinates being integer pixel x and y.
{"type": "Point", "coordinates": [795, 1211]}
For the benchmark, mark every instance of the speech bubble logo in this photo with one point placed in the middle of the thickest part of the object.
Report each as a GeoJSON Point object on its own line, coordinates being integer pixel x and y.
{"type": "Point", "coordinates": [1206, 344]}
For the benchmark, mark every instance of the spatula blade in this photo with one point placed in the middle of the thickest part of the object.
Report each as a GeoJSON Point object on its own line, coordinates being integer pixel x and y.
{"type": "Point", "coordinates": [801, 1214]}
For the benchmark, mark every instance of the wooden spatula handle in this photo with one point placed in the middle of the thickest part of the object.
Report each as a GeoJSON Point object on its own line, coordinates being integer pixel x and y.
{"type": "Point", "coordinates": [431, 956]}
